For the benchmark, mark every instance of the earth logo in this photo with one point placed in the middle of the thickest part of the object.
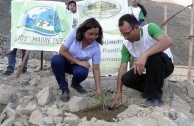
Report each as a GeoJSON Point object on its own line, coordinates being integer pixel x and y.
{"type": "Point", "coordinates": [101, 9]}
{"type": "Point", "coordinates": [42, 20]}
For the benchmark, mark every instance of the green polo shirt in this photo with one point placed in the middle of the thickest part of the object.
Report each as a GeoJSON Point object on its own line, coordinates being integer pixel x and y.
{"type": "Point", "coordinates": [153, 30]}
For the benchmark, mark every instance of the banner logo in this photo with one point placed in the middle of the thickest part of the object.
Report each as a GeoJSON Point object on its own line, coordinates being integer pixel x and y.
{"type": "Point", "coordinates": [42, 20]}
{"type": "Point", "coordinates": [101, 9]}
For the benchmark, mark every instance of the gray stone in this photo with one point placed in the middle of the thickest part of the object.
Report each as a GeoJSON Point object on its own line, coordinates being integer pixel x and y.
{"type": "Point", "coordinates": [35, 117]}
{"type": "Point", "coordinates": [45, 96]}
{"type": "Point", "coordinates": [5, 94]}
{"type": "Point", "coordinates": [77, 103]}
{"type": "Point", "coordinates": [8, 122]}
{"type": "Point", "coordinates": [58, 120]}
{"type": "Point", "coordinates": [27, 109]}
{"type": "Point", "coordinates": [178, 103]}
{"type": "Point", "coordinates": [164, 121]}
{"type": "Point", "coordinates": [48, 121]}
{"type": "Point", "coordinates": [192, 107]}
{"type": "Point", "coordinates": [183, 120]}
{"type": "Point", "coordinates": [173, 114]}
{"type": "Point", "coordinates": [190, 90]}
{"type": "Point", "coordinates": [10, 112]}
{"type": "Point", "coordinates": [17, 124]}
{"type": "Point", "coordinates": [72, 121]}
{"type": "Point", "coordinates": [54, 111]}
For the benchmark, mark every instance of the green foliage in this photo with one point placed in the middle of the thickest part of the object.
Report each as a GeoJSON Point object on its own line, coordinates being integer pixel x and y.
{"type": "Point", "coordinates": [102, 101]}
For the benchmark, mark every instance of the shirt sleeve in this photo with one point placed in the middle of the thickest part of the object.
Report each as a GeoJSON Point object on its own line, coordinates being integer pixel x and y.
{"type": "Point", "coordinates": [154, 30]}
{"type": "Point", "coordinates": [96, 58]}
{"type": "Point", "coordinates": [71, 36]}
{"type": "Point", "coordinates": [125, 55]}
{"type": "Point", "coordinates": [141, 16]}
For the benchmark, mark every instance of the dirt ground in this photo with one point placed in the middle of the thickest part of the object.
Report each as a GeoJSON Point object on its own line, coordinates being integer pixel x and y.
{"type": "Point", "coordinates": [101, 113]}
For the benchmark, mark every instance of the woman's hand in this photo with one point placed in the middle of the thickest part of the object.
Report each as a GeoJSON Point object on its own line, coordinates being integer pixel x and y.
{"type": "Point", "coordinates": [98, 93]}
{"type": "Point", "coordinates": [85, 64]}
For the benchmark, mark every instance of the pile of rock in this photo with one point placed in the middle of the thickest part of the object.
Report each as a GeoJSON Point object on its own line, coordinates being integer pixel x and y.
{"type": "Point", "coordinates": [33, 100]}
{"type": "Point", "coordinates": [4, 40]}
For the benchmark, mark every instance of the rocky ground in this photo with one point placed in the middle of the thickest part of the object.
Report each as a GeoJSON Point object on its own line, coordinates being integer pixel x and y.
{"type": "Point", "coordinates": [33, 99]}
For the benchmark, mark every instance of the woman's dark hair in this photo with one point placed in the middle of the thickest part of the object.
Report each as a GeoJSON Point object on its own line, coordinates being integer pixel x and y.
{"type": "Point", "coordinates": [89, 24]}
{"type": "Point", "coordinates": [143, 9]}
{"type": "Point", "coordinates": [129, 18]}
{"type": "Point", "coordinates": [70, 2]}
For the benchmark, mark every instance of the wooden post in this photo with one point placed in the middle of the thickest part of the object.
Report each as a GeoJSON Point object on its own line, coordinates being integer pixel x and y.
{"type": "Point", "coordinates": [165, 16]}
{"type": "Point", "coordinates": [175, 15]}
{"type": "Point", "coordinates": [190, 46]}
{"type": "Point", "coordinates": [41, 62]}
{"type": "Point", "coordinates": [23, 62]}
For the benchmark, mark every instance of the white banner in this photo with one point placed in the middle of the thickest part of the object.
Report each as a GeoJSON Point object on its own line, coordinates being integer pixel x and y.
{"type": "Point", "coordinates": [42, 25]}
{"type": "Point", "coordinates": [39, 25]}
{"type": "Point", "coordinates": [107, 12]}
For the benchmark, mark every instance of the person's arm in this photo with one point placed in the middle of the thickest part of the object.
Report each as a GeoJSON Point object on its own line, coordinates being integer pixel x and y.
{"type": "Point", "coordinates": [118, 96]}
{"type": "Point", "coordinates": [141, 18]}
{"type": "Point", "coordinates": [122, 70]}
{"type": "Point", "coordinates": [64, 52]}
{"type": "Point", "coordinates": [96, 72]}
{"type": "Point", "coordinates": [140, 21]}
{"type": "Point", "coordinates": [67, 42]}
{"type": "Point", "coordinates": [163, 42]}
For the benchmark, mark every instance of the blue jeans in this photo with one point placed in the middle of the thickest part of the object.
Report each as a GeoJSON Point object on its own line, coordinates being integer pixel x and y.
{"type": "Point", "coordinates": [60, 66]}
{"type": "Point", "coordinates": [12, 60]}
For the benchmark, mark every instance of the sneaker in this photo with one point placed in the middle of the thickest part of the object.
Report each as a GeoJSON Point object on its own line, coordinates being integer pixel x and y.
{"type": "Point", "coordinates": [141, 95]}
{"type": "Point", "coordinates": [7, 73]}
{"type": "Point", "coordinates": [79, 88]}
{"type": "Point", "coordinates": [153, 102]}
{"type": "Point", "coordinates": [23, 71]}
{"type": "Point", "coordinates": [65, 95]}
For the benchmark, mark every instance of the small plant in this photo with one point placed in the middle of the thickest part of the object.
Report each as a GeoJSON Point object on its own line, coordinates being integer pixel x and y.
{"type": "Point", "coordinates": [102, 101]}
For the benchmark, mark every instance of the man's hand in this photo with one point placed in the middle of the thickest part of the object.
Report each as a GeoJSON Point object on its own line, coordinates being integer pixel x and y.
{"type": "Point", "coordinates": [139, 65]}
{"type": "Point", "coordinates": [117, 99]}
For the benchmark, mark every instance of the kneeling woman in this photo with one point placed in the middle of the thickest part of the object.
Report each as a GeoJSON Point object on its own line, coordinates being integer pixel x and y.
{"type": "Point", "coordinates": [79, 46]}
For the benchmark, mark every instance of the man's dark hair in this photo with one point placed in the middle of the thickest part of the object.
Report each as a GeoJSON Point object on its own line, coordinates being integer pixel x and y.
{"type": "Point", "coordinates": [129, 18]}
{"type": "Point", "coordinates": [143, 9]}
{"type": "Point", "coordinates": [89, 24]}
{"type": "Point", "coordinates": [70, 2]}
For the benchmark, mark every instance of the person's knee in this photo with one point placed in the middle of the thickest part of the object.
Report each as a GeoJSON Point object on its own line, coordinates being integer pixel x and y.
{"type": "Point", "coordinates": [56, 60]}
{"type": "Point", "coordinates": [154, 57]}
{"type": "Point", "coordinates": [12, 53]}
{"type": "Point", "coordinates": [124, 80]}
{"type": "Point", "coordinates": [81, 73]}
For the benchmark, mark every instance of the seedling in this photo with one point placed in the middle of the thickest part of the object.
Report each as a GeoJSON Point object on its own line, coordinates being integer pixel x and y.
{"type": "Point", "coordinates": [102, 101]}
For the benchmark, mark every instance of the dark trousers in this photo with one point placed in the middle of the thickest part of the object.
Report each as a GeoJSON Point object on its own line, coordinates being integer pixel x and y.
{"type": "Point", "coordinates": [158, 67]}
{"type": "Point", "coordinates": [12, 60]}
{"type": "Point", "coordinates": [60, 66]}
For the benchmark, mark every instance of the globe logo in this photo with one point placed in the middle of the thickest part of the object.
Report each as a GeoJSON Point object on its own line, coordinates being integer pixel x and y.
{"type": "Point", "coordinates": [101, 9]}
{"type": "Point", "coordinates": [42, 20]}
